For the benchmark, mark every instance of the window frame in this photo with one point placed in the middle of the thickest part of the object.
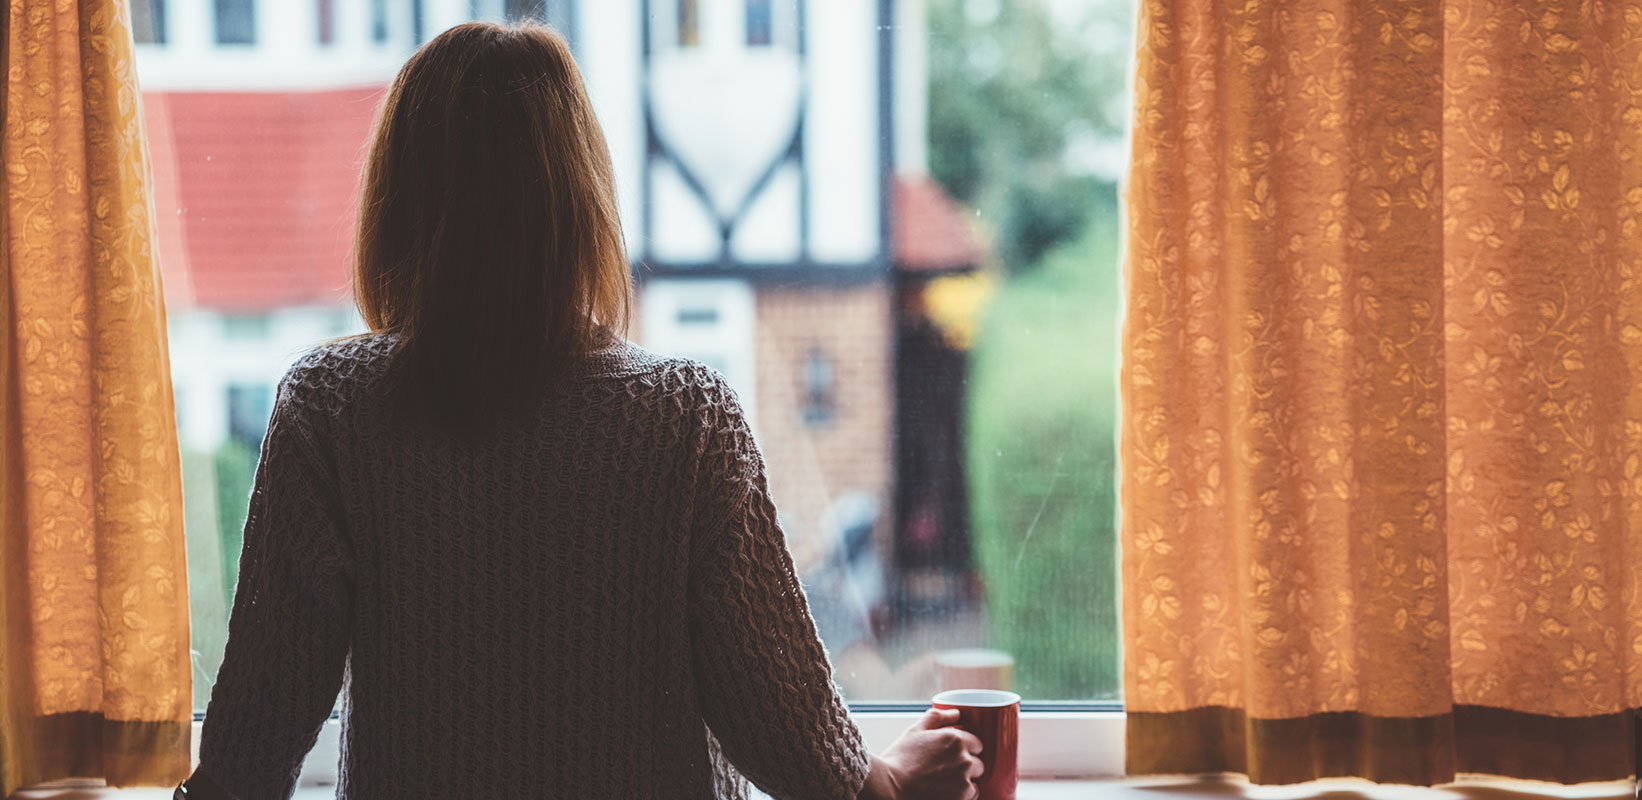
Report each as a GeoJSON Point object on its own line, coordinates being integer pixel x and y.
{"type": "Point", "coordinates": [253, 26]}
{"type": "Point", "coordinates": [156, 30]}
{"type": "Point", "coordinates": [1059, 741]}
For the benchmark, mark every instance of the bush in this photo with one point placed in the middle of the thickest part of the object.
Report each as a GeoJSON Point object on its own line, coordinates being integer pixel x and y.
{"type": "Point", "coordinates": [234, 465]}
{"type": "Point", "coordinates": [1042, 468]}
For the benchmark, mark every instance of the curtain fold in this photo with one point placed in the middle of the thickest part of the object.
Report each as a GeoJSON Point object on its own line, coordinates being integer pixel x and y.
{"type": "Point", "coordinates": [1382, 416]}
{"type": "Point", "coordinates": [94, 660]}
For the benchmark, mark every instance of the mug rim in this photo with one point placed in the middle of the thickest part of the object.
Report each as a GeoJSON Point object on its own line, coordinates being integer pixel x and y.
{"type": "Point", "coordinates": [977, 698]}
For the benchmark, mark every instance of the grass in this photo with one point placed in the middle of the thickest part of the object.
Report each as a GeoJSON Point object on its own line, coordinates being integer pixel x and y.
{"type": "Point", "coordinates": [1041, 425]}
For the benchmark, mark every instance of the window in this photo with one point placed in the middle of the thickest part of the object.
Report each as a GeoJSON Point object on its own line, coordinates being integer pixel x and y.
{"type": "Point", "coordinates": [525, 9]}
{"type": "Point", "coordinates": [326, 11]}
{"type": "Point", "coordinates": [236, 22]}
{"type": "Point", "coordinates": [379, 20]}
{"type": "Point", "coordinates": [246, 327]}
{"type": "Point", "coordinates": [817, 390]}
{"type": "Point", "coordinates": [689, 24]}
{"type": "Point", "coordinates": [759, 23]}
{"type": "Point", "coordinates": [248, 408]}
{"type": "Point", "coordinates": [926, 345]}
{"type": "Point", "coordinates": [148, 21]}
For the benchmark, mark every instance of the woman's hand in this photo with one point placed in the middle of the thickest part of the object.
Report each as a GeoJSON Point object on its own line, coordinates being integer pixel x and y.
{"type": "Point", "coordinates": [933, 760]}
{"type": "Point", "coordinates": [201, 787]}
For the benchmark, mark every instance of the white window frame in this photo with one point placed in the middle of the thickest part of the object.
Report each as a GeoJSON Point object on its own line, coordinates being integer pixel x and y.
{"type": "Point", "coordinates": [1055, 745]}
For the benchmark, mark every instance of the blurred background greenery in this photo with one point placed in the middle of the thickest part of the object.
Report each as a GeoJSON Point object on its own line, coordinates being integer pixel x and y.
{"type": "Point", "coordinates": [1028, 101]}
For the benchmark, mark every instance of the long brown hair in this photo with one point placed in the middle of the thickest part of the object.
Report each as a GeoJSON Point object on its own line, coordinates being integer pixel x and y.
{"type": "Point", "coordinates": [488, 237]}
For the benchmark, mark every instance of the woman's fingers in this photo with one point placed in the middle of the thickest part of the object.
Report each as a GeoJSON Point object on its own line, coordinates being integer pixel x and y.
{"type": "Point", "coordinates": [971, 742]}
{"type": "Point", "coordinates": [937, 718]}
{"type": "Point", "coordinates": [976, 768]}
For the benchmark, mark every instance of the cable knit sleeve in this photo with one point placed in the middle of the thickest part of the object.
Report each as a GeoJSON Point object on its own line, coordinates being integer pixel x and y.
{"type": "Point", "coordinates": [762, 677]}
{"type": "Point", "coordinates": [288, 634]}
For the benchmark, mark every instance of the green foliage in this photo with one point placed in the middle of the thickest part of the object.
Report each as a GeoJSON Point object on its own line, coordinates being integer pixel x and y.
{"type": "Point", "coordinates": [1042, 467]}
{"type": "Point", "coordinates": [235, 465]}
{"type": "Point", "coordinates": [1013, 90]}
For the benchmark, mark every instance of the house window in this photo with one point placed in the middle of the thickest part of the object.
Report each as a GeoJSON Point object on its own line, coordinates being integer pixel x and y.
{"type": "Point", "coordinates": [327, 21]}
{"type": "Point", "coordinates": [148, 21]}
{"type": "Point", "coordinates": [379, 20]}
{"type": "Point", "coordinates": [818, 376]}
{"type": "Point", "coordinates": [246, 327]}
{"type": "Point", "coordinates": [689, 23]}
{"type": "Point", "coordinates": [759, 23]}
{"type": "Point", "coordinates": [236, 22]}
{"type": "Point", "coordinates": [806, 335]}
{"type": "Point", "coordinates": [249, 405]}
{"type": "Point", "coordinates": [525, 9]}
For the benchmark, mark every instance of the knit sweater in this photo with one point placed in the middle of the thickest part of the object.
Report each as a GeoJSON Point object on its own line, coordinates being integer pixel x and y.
{"type": "Point", "coordinates": [590, 601]}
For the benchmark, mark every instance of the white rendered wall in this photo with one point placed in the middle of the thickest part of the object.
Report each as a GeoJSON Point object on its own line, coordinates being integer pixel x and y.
{"type": "Point", "coordinates": [911, 88]}
{"type": "Point", "coordinates": [287, 54]}
{"type": "Point", "coordinates": [841, 130]}
{"type": "Point", "coordinates": [609, 54]}
{"type": "Point", "coordinates": [206, 360]}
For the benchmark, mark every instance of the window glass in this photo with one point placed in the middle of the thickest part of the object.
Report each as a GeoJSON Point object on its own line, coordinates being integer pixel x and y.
{"type": "Point", "coordinates": [896, 236]}
{"type": "Point", "coordinates": [758, 22]}
{"type": "Point", "coordinates": [326, 11]}
{"type": "Point", "coordinates": [379, 20]}
{"type": "Point", "coordinates": [524, 9]}
{"type": "Point", "coordinates": [253, 327]}
{"type": "Point", "coordinates": [248, 408]}
{"type": "Point", "coordinates": [689, 24]}
{"type": "Point", "coordinates": [148, 21]}
{"type": "Point", "coordinates": [236, 22]}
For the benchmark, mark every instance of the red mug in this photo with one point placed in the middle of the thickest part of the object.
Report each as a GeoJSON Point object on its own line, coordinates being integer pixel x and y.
{"type": "Point", "coordinates": [994, 717]}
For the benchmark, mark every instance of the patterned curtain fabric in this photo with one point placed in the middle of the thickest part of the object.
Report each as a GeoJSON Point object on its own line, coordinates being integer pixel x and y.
{"type": "Point", "coordinates": [1382, 501]}
{"type": "Point", "coordinates": [94, 662]}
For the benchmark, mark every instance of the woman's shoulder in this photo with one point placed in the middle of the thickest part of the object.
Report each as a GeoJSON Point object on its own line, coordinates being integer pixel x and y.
{"type": "Point", "coordinates": [673, 376]}
{"type": "Point", "coordinates": [328, 375]}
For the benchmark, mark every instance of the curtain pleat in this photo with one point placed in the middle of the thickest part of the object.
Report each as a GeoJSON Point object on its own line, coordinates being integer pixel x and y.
{"type": "Point", "coordinates": [1382, 416]}
{"type": "Point", "coordinates": [94, 660]}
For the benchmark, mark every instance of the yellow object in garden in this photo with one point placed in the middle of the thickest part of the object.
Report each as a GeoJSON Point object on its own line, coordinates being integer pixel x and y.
{"type": "Point", "coordinates": [954, 303]}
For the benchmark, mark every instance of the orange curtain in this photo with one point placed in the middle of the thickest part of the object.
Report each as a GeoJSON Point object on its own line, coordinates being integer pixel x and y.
{"type": "Point", "coordinates": [1382, 386]}
{"type": "Point", "coordinates": [94, 663]}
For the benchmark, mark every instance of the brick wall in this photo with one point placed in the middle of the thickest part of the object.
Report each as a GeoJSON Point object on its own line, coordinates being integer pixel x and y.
{"type": "Point", "coordinates": [812, 464]}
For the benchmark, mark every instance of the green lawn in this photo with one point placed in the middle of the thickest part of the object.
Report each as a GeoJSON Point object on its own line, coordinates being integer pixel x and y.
{"type": "Point", "coordinates": [1042, 456]}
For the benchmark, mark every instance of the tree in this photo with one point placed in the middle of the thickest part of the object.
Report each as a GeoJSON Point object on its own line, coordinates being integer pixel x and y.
{"type": "Point", "coordinates": [1019, 91]}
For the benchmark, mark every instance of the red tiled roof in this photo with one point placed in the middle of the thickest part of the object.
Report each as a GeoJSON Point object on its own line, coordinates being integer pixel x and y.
{"type": "Point", "coordinates": [255, 194]}
{"type": "Point", "coordinates": [932, 233]}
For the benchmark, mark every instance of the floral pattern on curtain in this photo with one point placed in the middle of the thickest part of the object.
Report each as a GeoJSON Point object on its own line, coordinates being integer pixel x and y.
{"type": "Point", "coordinates": [94, 660]}
{"type": "Point", "coordinates": [1382, 386]}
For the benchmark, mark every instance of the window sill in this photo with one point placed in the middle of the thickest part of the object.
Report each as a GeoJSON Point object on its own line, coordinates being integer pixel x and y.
{"type": "Point", "coordinates": [1029, 790]}
{"type": "Point", "coordinates": [1055, 745]}
{"type": "Point", "coordinates": [1110, 789]}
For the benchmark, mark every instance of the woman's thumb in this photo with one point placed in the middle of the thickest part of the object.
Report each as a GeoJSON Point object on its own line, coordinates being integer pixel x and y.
{"type": "Point", "coordinates": [937, 718]}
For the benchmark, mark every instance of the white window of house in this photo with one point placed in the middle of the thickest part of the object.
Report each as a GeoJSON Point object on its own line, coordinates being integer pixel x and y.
{"type": "Point", "coordinates": [760, 23]}
{"type": "Point", "coordinates": [246, 327]}
{"type": "Point", "coordinates": [689, 23]}
{"type": "Point", "coordinates": [379, 21]}
{"type": "Point", "coordinates": [325, 22]}
{"type": "Point", "coordinates": [236, 21]}
{"type": "Point", "coordinates": [148, 21]}
{"type": "Point", "coordinates": [249, 405]}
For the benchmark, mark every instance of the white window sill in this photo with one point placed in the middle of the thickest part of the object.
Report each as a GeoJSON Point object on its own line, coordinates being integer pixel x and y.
{"type": "Point", "coordinates": [1063, 755]}
{"type": "Point", "coordinates": [1113, 789]}
{"type": "Point", "coordinates": [1030, 790]}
